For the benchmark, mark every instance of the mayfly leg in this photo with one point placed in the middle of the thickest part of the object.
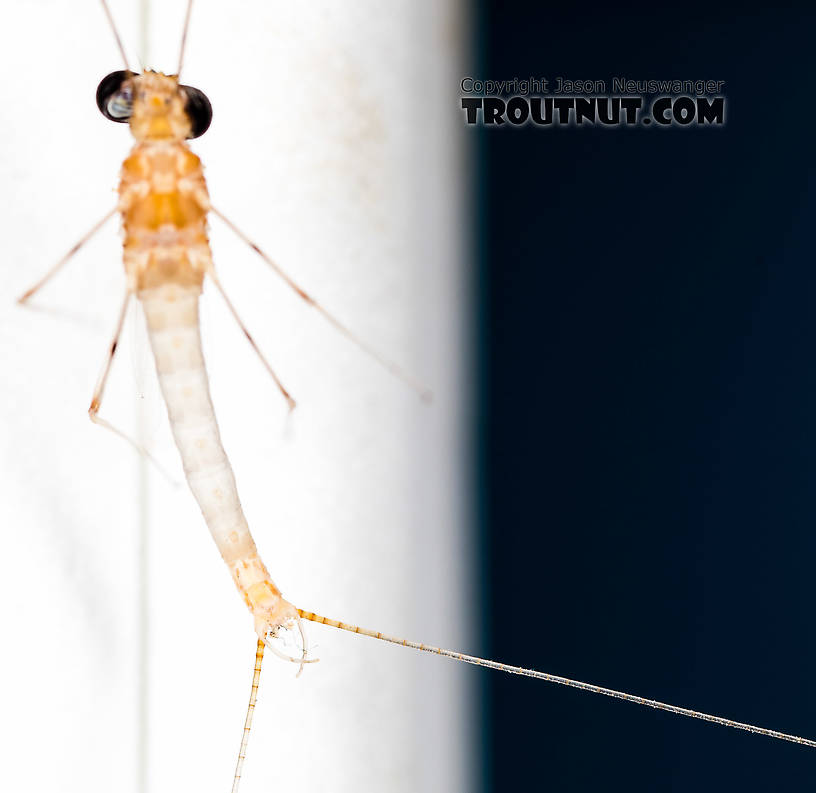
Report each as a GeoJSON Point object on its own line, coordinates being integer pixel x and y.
{"type": "Point", "coordinates": [286, 395]}
{"type": "Point", "coordinates": [66, 258]}
{"type": "Point", "coordinates": [99, 391]}
{"type": "Point", "coordinates": [99, 388]}
{"type": "Point", "coordinates": [395, 369]}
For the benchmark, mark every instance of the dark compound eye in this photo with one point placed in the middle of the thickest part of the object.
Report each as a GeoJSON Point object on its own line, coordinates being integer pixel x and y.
{"type": "Point", "coordinates": [114, 96]}
{"type": "Point", "coordinates": [198, 109]}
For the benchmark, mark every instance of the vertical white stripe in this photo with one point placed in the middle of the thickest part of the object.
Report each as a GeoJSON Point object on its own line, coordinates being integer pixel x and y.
{"type": "Point", "coordinates": [335, 143]}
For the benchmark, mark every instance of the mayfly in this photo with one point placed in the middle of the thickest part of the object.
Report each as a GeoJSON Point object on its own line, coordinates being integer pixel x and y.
{"type": "Point", "coordinates": [164, 204]}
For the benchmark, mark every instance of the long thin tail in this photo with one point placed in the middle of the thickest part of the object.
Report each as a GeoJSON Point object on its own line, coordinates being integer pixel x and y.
{"type": "Point", "coordinates": [253, 698]}
{"type": "Point", "coordinates": [562, 681]}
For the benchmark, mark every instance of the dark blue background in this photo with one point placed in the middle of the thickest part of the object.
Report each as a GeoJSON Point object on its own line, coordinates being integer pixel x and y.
{"type": "Point", "coordinates": [648, 456]}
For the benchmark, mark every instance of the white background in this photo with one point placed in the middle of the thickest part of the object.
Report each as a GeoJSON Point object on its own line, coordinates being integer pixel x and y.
{"type": "Point", "coordinates": [337, 145]}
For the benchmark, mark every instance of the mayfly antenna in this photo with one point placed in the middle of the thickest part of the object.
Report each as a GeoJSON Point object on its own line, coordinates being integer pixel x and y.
{"type": "Point", "coordinates": [184, 36]}
{"type": "Point", "coordinates": [562, 681]}
{"type": "Point", "coordinates": [115, 33]}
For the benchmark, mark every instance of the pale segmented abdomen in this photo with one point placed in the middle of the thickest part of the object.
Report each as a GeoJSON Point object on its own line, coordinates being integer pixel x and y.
{"type": "Point", "coordinates": [172, 321]}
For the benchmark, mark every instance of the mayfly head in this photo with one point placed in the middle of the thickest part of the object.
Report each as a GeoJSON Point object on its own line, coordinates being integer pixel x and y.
{"type": "Point", "coordinates": [155, 105]}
